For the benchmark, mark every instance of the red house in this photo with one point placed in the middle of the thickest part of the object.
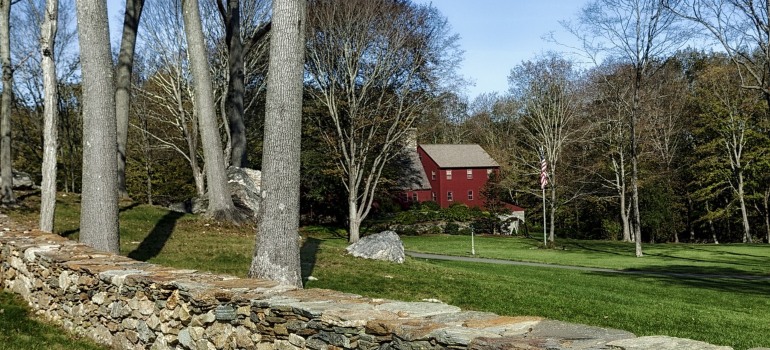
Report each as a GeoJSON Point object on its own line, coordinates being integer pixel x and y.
{"type": "Point", "coordinates": [448, 174]}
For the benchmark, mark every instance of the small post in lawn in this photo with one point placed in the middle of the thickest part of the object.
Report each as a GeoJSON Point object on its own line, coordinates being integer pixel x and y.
{"type": "Point", "coordinates": [473, 243]}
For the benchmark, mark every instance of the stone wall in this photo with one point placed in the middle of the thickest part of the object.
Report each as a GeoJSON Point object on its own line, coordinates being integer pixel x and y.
{"type": "Point", "coordinates": [127, 304]}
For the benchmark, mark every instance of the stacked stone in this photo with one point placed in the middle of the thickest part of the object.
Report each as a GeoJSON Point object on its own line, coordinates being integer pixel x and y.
{"type": "Point", "coordinates": [127, 304]}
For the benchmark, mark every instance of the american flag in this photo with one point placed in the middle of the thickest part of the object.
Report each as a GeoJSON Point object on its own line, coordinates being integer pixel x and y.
{"type": "Point", "coordinates": [543, 172]}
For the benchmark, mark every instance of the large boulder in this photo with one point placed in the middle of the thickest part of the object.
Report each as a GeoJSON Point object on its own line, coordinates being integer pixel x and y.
{"type": "Point", "coordinates": [385, 245]}
{"type": "Point", "coordinates": [22, 181]}
{"type": "Point", "coordinates": [244, 186]}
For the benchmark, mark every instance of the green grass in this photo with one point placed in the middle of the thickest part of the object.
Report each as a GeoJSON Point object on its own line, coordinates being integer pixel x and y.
{"type": "Point", "coordinates": [22, 331]}
{"type": "Point", "coordinates": [723, 259]}
{"type": "Point", "coordinates": [719, 311]}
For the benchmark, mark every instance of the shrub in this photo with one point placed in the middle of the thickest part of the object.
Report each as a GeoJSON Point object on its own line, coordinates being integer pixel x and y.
{"type": "Point", "coordinates": [484, 224]}
{"type": "Point", "coordinates": [451, 228]}
{"type": "Point", "coordinates": [433, 230]}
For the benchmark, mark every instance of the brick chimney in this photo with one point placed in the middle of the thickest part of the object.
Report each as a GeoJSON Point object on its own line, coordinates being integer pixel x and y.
{"type": "Point", "coordinates": [410, 139]}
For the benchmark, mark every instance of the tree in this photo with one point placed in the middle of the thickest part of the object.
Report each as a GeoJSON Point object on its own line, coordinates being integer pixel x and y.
{"type": "Point", "coordinates": [276, 252]}
{"type": "Point", "coordinates": [51, 109]}
{"type": "Point", "coordinates": [166, 88]}
{"type": "Point", "coordinates": [636, 32]}
{"type": "Point", "coordinates": [220, 206]}
{"type": "Point", "coordinates": [376, 66]}
{"type": "Point", "coordinates": [611, 96]}
{"type": "Point", "coordinates": [123, 71]}
{"type": "Point", "coordinates": [548, 91]}
{"type": "Point", "coordinates": [6, 164]}
{"type": "Point", "coordinates": [99, 202]}
{"type": "Point", "coordinates": [730, 126]}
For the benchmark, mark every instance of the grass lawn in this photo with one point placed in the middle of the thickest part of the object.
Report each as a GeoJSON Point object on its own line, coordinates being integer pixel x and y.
{"type": "Point", "coordinates": [720, 311]}
{"type": "Point", "coordinates": [722, 259]}
{"type": "Point", "coordinates": [18, 330]}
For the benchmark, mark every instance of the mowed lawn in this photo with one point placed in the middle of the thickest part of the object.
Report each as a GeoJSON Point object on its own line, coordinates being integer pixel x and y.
{"type": "Point", "coordinates": [720, 259]}
{"type": "Point", "coordinates": [722, 311]}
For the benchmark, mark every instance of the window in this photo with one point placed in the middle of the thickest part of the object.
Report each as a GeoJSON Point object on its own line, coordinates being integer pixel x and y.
{"type": "Point", "coordinates": [469, 174]}
{"type": "Point", "coordinates": [433, 196]}
{"type": "Point", "coordinates": [449, 174]}
{"type": "Point", "coordinates": [432, 174]}
{"type": "Point", "coordinates": [449, 196]}
{"type": "Point", "coordinates": [414, 197]}
{"type": "Point", "coordinates": [470, 195]}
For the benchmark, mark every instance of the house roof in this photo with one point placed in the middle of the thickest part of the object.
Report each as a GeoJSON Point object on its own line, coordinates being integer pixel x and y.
{"type": "Point", "coordinates": [459, 156]}
{"type": "Point", "coordinates": [414, 177]}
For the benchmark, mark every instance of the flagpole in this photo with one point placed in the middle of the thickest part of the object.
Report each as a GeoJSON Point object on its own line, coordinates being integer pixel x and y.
{"type": "Point", "coordinates": [545, 245]}
{"type": "Point", "coordinates": [543, 184]}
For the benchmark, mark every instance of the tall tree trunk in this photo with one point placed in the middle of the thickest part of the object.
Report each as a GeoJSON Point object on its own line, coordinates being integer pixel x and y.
{"type": "Point", "coordinates": [221, 206]}
{"type": "Point", "coordinates": [766, 204]}
{"type": "Point", "coordinates": [99, 227]}
{"type": "Point", "coordinates": [123, 71]}
{"type": "Point", "coordinates": [146, 149]}
{"type": "Point", "coordinates": [620, 184]}
{"type": "Point", "coordinates": [635, 165]}
{"type": "Point", "coordinates": [354, 221]}
{"type": "Point", "coordinates": [551, 234]}
{"type": "Point", "coordinates": [276, 253]}
{"type": "Point", "coordinates": [235, 85]}
{"type": "Point", "coordinates": [744, 214]}
{"type": "Point", "coordinates": [711, 225]}
{"type": "Point", "coordinates": [6, 161]}
{"type": "Point", "coordinates": [51, 115]}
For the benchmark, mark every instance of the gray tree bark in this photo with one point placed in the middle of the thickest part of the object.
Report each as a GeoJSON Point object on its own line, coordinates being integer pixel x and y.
{"type": "Point", "coordinates": [99, 226]}
{"type": "Point", "coordinates": [276, 252]}
{"type": "Point", "coordinates": [221, 206]}
{"type": "Point", "coordinates": [50, 118]}
{"type": "Point", "coordinates": [6, 164]}
{"type": "Point", "coordinates": [123, 73]}
{"type": "Point", "coordinates": [235, 87]}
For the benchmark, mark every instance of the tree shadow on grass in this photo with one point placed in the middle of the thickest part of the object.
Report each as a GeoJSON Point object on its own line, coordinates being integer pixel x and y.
{"type": "Point", "coordinates": [69, 232]}
{"type": "Point", "coordinates": [128, 207]}
{"type": "Point", "coordinates": [703, 277]}
{"type": "Point", "coordinates": [152, 245]}
{"type": "Point", "coordinates": [308, 255]}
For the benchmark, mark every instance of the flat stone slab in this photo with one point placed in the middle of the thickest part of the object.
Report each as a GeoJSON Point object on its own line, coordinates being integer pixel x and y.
{"type": "Point", "coordinates": [663, 343]}
{"type": "Point", "coordinates": [576, 336]}
{"type": "Point", "coordinates": [417, 309]}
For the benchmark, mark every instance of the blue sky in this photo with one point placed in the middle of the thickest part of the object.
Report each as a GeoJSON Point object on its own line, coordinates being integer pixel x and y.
{"type": "Point", "coordinates": [499, 34]}
{"type": "Point", "coordinates": [495, 34]}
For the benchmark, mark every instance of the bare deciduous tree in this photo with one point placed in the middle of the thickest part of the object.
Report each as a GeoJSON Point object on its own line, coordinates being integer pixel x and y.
{"type": "Point", "coordinates": [375, 65]}
{"type": "Point", "coordinates": [635, 32]}
{"type": "Point", "coordinates": [276, 252]}
{"type": "Point", "coordinates": [99, 203]}
{"type": "Point", "coordinates": [167, 90]}
{"type": "Point", "coordinates": [547, 89]}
